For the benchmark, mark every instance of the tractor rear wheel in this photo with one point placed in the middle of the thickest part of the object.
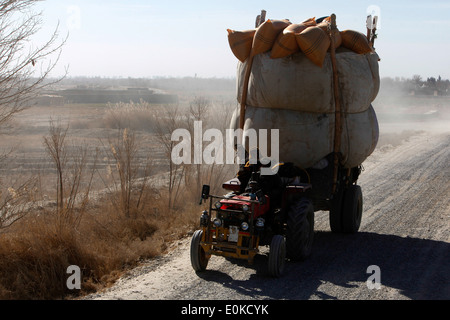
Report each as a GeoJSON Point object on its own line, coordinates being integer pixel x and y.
{"type": "Point", "coordinates": [277, 255]}
{"type": "Point", "coordinates": [199, 261]}
{"type": "Point", "coordinates": [300, 230]}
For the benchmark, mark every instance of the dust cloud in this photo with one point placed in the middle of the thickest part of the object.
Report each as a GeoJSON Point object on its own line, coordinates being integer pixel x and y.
{"type": "Point", "coordinates": [407, 107]}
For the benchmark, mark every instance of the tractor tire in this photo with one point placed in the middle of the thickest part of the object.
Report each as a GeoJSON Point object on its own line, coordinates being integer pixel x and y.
{"type": "Point", "coordinates": [277, 256]}
{"type": "Point", "coordinates": [199, 261]}
{"type": "Point", "coordinates": [300, 230]}
{"type": "Point", "coordinates": [352, 209]}
{"type": "Point", "coordinates": [335, 215]}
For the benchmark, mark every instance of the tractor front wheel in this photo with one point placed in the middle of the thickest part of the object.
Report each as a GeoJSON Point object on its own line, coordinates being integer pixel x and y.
{"type": "Point", "coordinates": [199, 260]}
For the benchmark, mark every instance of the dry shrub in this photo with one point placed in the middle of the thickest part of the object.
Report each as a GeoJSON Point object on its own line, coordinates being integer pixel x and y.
{"type": "Point", "coordinates": [34, 258]}
{"type": "Point", "coordinates": [152, 227]}
{"type": "Point", "coordinates": [35, 254]}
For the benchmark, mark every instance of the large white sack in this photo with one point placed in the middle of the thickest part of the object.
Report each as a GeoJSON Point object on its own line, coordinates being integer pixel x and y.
{"type": "Point", "coordinates": [295, 83]}
{"type": "Point", "coordinates": [305, 138]}
{"type": "Point", "coordinates": [360, 135]}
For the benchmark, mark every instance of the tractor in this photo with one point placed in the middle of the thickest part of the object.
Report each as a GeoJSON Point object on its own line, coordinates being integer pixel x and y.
{"type": "Point", "coordinates": [275, 210]}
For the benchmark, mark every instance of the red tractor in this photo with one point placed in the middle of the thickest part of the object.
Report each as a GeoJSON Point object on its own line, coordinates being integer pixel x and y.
{"type": "Point", "coordinates": [275, 210]}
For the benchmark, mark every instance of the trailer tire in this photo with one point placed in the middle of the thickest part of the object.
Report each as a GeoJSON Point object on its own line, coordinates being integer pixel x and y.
{"type": "Point", "coordinates": [300, 230]}
{"type": "Point", "coordinates": [335, 215]}
{"type": "Point", "coordinates": [199, 261]}
{"type": "Point", "coordinates": [352, 209]}
{"type": "Point", "coordinates": [277, 256]}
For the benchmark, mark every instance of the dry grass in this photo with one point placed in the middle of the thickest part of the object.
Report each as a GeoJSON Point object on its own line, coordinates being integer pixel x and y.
{"type": "Point", "coordinates": [35, 254]}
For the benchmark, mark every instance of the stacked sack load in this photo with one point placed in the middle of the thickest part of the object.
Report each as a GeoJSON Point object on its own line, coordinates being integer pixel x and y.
{"type": "Point", "coordinates": [283, 39]}
{"type": "Point", "coordinates": [290, 88]}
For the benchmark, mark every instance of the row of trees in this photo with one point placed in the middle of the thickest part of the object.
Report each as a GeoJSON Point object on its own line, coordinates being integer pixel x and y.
{"type": "Point", "coordinates": [417, 84]}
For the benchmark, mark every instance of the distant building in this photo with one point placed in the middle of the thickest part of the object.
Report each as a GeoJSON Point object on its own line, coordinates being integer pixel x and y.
{"type": "Point", "coordinates": [114, 96]}
{"type": "Point", "coordinates": [49, 100]}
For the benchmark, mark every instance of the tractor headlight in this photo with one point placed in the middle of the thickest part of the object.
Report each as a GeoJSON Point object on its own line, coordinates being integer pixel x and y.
{"type": "Point", "coordinates": [204, 218]}
{"type": "Point", "coordinates": [218, 205]}
{"type": "Point", "coordinates": [245, 208]}
{"type": "Point", "coordinates": [217, 222]}
{"type": "Point", "coordinates": [244, 226]}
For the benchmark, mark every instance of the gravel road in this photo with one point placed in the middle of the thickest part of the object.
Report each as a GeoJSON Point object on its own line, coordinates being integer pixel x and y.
{"type": "Point", "coordinates": [405, 233]}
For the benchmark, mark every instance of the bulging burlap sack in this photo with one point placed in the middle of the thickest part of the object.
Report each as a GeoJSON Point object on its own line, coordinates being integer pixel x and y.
{"type": "Point", "coordinates": [355, 41]}
{"type": "Point", "coordinates": [336, 34]}
{"type": "Point", "coordinates": [241, 43]}
{"type": "Point", "coordinates": [286, 43]}
{"type": "Point", "coordinates": [295, 83]}
{"type": "Point", "coordinates": [306, 138]}
{"type": "Point", "coordinates": [314, 43]}
{"type": "Point", "coordinates": [266, 34]}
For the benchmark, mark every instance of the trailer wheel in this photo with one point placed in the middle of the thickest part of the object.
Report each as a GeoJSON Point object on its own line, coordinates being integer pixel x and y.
{"type": "Point", "coordinates": [352, 209]}
{"type": "Point", "coordinates": [199, 260]}
{"type": "Point", "coordinates": [277, 255]}
{"type": "Point", "coordinates": [335, 215]}
{"type": "Point", "coordinates": [300, 230]}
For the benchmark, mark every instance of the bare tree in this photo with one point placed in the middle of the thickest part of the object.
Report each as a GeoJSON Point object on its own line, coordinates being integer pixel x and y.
{"type": "Point", "coordinates": [128, 172]}
{"type": "Point", "coordinates": [199, 109]}
{"type": "Point", "coordinates": [56, 147]}
{"type": "Point", "coordinates": [73, 177]}
{"type": "Point", "coordinates": [170, 119]}
{"type": "Point", "coordinates": [24, 68]}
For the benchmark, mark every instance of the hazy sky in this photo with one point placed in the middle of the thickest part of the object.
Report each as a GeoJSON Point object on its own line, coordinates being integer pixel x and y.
{"type": "Point", "coordinates": [146, 38]}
